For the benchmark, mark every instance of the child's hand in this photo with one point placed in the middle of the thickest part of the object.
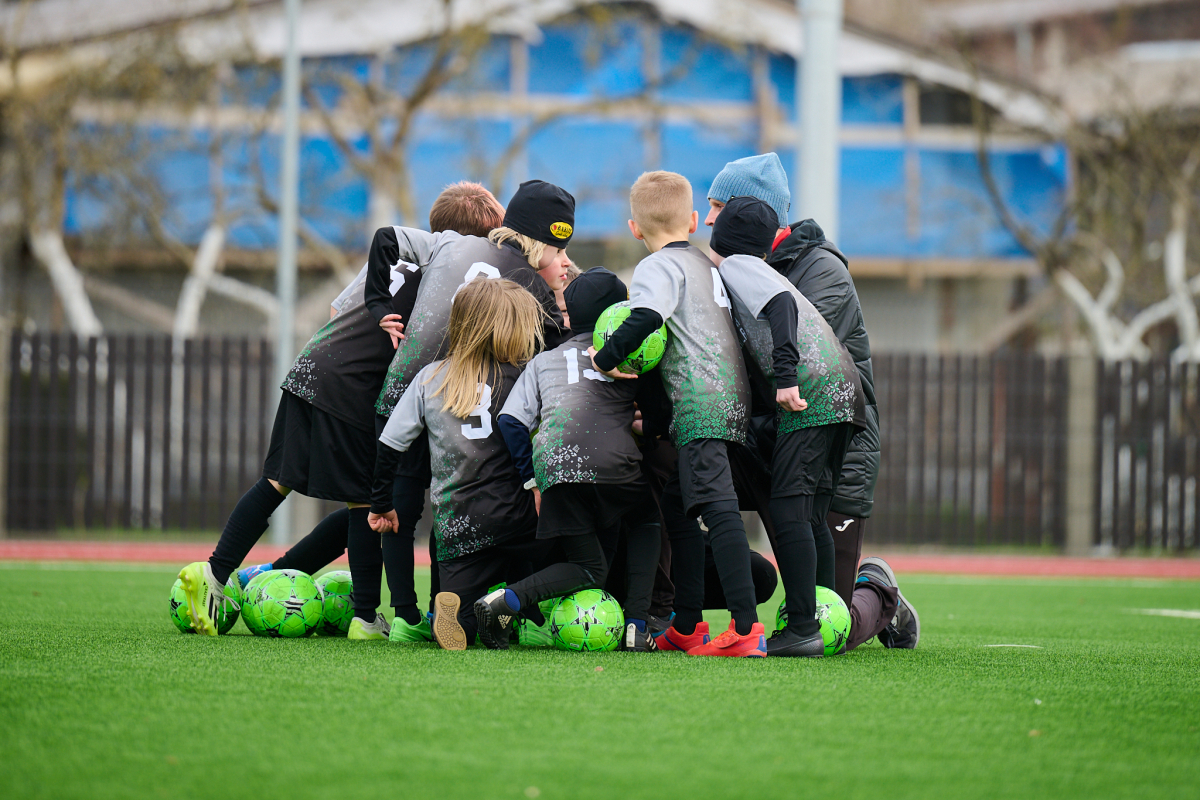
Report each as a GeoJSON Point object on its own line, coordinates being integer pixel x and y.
{"type": "Point", "coordinates": [613, 373]}
{"type": "Point", "coordinates": [537, 501]}
{"type": "Point", "coordinates": [790, 400]}
{"type": "Point", "coordinates": [637, 422]}
{"type": "Point", "coordinates": [392, 324]}
{"type": "Point", "coordinates": [384, 523]}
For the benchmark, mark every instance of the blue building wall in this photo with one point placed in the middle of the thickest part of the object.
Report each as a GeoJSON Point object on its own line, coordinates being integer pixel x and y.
{"type": "Point", "coordinates": [597, 157]}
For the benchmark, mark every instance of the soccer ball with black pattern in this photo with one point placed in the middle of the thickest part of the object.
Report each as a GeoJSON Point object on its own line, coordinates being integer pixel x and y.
{"type": "Point", "coordinates": [180, 614]}
{"type": "Point", "coordinates": [337, 611]}
{"type": "Point", "coordinates": [834, 618]}
{"type": "Point", "coordinates": [647, 356]}
{"type": "Point", "coordinates": [283, 603]}
{"type": "Point", "coordinates": [590, 620]}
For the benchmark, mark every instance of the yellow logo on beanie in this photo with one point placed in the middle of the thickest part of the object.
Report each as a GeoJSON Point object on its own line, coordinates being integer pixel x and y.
{"type": "Point", "coordinates": [561, 230]}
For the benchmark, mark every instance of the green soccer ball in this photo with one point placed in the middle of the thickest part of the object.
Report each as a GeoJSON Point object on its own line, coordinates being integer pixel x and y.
{"type": "Point", "coordinates": [182, 617]}
{"type": "Point", "coordinates": [590, 620]}
{"type": "Point", "coordinates": [834, 617]}
{"type": "Point", "coordinates": [282, 603]}
{"type": "Point", "coordinates": [643, 359]}
{"type": "Point", "coordinates": [337, 611]}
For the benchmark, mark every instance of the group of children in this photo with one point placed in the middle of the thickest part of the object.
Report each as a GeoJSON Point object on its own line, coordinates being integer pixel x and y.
{"type": "Point", "coordinates": [461, 361]}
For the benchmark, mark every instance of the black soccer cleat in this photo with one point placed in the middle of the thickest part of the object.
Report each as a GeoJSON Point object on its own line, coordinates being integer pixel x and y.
{"type": "Point", "coordinates": [789, 644]}
{"type": "Point", "coordinates": [904, 631]}
{"type": "Point", "coordinates": [495, 620]}
{"type": "Point", "coordinates": [635, 641]}
{"type": "Point", "coordinates": [657, 625]}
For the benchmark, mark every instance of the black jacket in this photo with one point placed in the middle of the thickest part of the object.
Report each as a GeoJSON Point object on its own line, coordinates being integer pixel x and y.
{"type": "Point", "coordinates": [818, 270]}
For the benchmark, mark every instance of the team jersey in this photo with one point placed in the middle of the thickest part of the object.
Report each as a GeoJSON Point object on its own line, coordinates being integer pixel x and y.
{"type": "Point", "coordinates": [582, 418]}
{"type": "Point", "coordinates": [826, 375]}
{"type": "Point", "coordinates": [477, 494]}
{"type": "Point", "coordinates": [448, 261]}
{"type": "Point", "coordinates": [344, 364]}
{"type": "Point", "coordinates": [702, 368]}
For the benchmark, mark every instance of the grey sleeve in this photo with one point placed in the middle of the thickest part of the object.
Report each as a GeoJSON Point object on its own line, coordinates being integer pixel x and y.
{"type": "Point", "coordinates": [753, 281]}
{"type": "Point", "coordinates": [524, 403]}
{"type": "Point", "coordinates": [408, 417]}
{"type": "Point", "coordinates": [419, 247]}
{"type": "Point", "coordinates": [348, 292]}
{"type": "Point", "coordinates": [657, 285]}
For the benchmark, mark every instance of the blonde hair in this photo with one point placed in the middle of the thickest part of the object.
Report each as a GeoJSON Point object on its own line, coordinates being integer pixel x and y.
{"type": "Point", "coordinates": [661, 202]}
{"type": "Point", "coordinates": [532, 248]}
{"type": "Point", "coordinates": [467, 208]}
{"type": "Point", "coordinates": [492, 322]}
{"type": "Point", "coordinates": [573, 272]}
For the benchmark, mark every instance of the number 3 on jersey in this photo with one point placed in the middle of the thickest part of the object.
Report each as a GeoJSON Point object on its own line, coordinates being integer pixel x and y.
{"type": "Point", "coordinates": [485, 418]}
{"type": "Point", "coordinates": [477, 269]}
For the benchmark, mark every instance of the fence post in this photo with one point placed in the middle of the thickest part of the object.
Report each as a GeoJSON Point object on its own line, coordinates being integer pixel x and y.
{"type": "Point", "coordinates": [1081, 454]}
{"type": "Point", "coordinates": [5, 370]}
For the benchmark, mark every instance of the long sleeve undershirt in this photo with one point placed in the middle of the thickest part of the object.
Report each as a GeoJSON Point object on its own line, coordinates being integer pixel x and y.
{"type": "Point", "coordinates": [516, 436]}
{"type": "Point", "coordinates": [386, 460]}
{"type": "Point", "coordinates": [781, 314]}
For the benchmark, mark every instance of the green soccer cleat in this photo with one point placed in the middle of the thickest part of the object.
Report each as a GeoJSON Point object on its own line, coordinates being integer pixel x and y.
{"type": "Point", "coordinates": [206, 597]}
{"type": "Point", "coordinates": [403, 632]}
{"type": "Point", "coordinates": [377, 630]}
{"type": "Point", "coordinates": [530, 634]}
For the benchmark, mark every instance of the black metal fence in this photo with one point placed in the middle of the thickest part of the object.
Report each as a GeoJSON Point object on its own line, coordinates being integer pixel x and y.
{"type": "Point", "coordinates": [125, 432]}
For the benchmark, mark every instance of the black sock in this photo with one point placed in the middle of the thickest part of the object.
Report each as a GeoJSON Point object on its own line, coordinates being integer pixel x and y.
{"type": "Point", "coordinates": [641, 563]}
{"type": "Point", "coordinates": [244, 528]}
{"type": "Point", "coordinates": [687, 559]}
{"type": "Point", "coordinates": [435, 575]}
{"type": "Point", "coordinates": [826, 553]}
{"type": "Point", "coordinates": [731, 552]}
{"type": "Point", "coordinates": [408, 498]}
{"type": "Point", "coordinates": [366, 564]}
{"type": "Point", "coordinates": [797, 556]}
{"type": "Point", "coordinates": [323, 545]}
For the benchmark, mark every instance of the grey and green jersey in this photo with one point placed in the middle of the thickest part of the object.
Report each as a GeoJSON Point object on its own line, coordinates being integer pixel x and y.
{"type": "Point", "coordinates": [825, 373]}
{"type": "Point", "coordinates": [477, 494]}
{"type": "Point", "coordinates": [582, 418]}
{"type": "Point", "coordinates": [448, 261]}
{"type": "Point", "coordinates": [702, 369]}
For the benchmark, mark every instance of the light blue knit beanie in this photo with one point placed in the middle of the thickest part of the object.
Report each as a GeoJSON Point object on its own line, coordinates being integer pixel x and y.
{"type": "Point", "coordinates": [755, 176]}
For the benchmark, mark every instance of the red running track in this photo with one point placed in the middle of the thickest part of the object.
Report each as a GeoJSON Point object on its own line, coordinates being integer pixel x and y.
{"type": "Point", "coordinates": [1034, 566]}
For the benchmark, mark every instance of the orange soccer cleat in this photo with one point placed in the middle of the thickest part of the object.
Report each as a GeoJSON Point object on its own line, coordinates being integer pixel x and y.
{"type": "Point", "coordinates": [671, 639]}
{"type": "Point", "coordinates": [729, 643]}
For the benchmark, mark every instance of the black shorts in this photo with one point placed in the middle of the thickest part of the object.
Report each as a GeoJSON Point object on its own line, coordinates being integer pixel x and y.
{"type": "Point", "coordinates": [413, 462]}
{"type": "Point", "coordinates": [802, 457]}
{"type": "Point", "coordinates": [318, 455]}
{"type": "Point", "coordinates": [471, 576]}
{"type": "Point", "coordinates": [574, 509]}
{"type": "Point", "coordinates": [705, 475]}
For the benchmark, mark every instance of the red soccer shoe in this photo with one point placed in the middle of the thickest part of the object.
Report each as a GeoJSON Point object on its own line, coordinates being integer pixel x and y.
{"type": "Point", "coordinates": [729, 643]}
{"type": "Point", "coordinates": [671, 639]}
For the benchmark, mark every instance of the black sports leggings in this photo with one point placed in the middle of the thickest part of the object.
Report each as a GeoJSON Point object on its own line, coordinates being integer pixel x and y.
{"type": "Point", "coordinates": [585, 568]}
{"type": "Point", "coordinates": [804, 550]}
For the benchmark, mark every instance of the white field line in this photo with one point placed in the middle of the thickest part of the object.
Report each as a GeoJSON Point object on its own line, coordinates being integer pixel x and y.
{"type": "Point", "coordinates": [1167, 612]}
{"type": "Point", "coordinates": [1031, 646]}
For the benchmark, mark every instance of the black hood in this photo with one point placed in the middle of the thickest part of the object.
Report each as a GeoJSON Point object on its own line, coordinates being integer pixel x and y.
{"type": "Point", "coordinates": [805, 236]}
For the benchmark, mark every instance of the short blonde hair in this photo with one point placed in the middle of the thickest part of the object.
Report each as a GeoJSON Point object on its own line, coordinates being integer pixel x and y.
{"type": "Point", "coordinates": [532, 248]}
{"type": "Point", "coordinates": [661, 201]}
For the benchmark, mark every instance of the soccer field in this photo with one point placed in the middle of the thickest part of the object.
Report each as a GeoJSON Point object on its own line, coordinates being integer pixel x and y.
{"type": "Point", "coordinates": [100, 697]}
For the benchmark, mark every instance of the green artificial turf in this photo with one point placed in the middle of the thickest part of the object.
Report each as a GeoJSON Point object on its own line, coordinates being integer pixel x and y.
{"type": "Point", "coordinates": [100, 697]}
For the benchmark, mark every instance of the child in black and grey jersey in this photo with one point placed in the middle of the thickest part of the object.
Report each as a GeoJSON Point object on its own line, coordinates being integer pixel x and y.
{"type": "Point", "coordinates": [529, 249]}
{"type": "Point", "coordinates": [324, 423]}
{"type": "Point", "coordinates": [484, 521]}
{"type": "Point", "coordinates": [584, 470]}
{"type": "Point", "coordinates": [705, 376]}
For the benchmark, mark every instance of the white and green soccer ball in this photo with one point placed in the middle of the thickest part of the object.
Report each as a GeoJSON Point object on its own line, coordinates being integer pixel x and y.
{"type": "Point", "coordinates": [337, 610]}
{"type": "Point", "coordinates": [833, 616]}
{"type": "Point", "coordinates": [647, 356]}
{"type": "Point", "coordinates": [282, 603]}
{"type": "Point", "coordinates": [590, 620]}
{"type": "Point", "coordinates": [227, 616]}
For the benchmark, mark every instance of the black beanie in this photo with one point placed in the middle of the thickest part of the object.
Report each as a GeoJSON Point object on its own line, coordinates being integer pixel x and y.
{"type": "Point", "coordinates": [543, 212]}
{"type": "Point", "coordinates": [588, 295]}
{"type": "Point", "coordinates": [745, 227]}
